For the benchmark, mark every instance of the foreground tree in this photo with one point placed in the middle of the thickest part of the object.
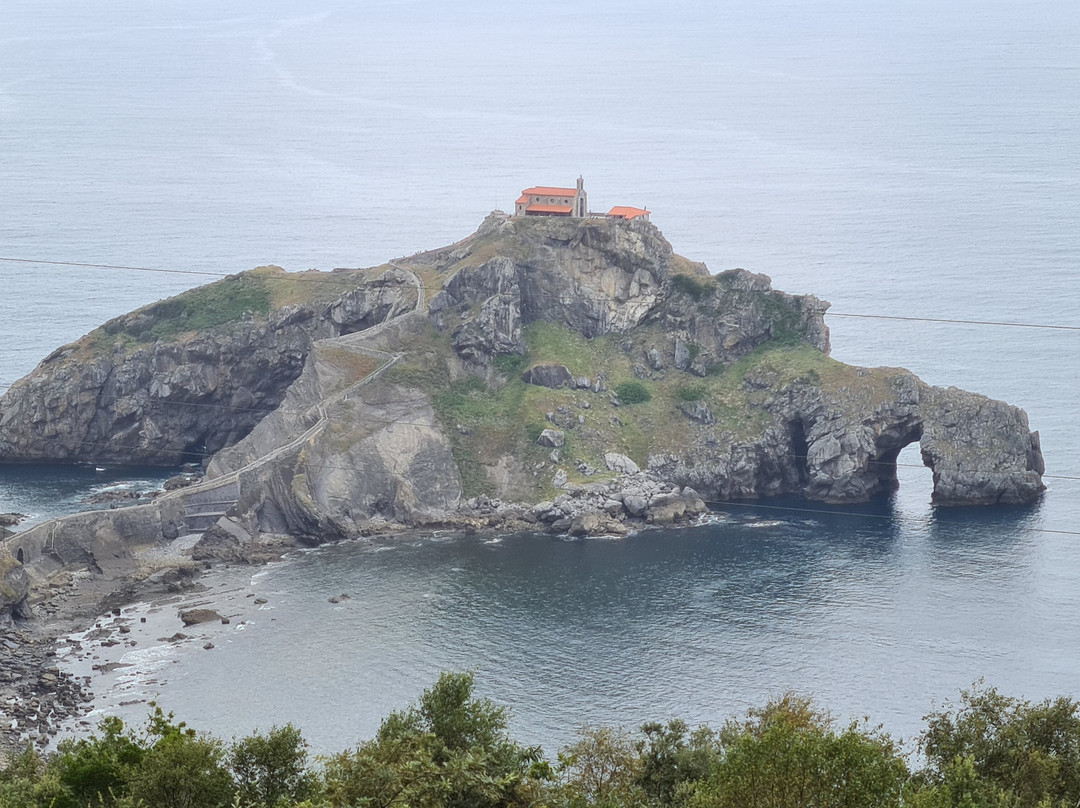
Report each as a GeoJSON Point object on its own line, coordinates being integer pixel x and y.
{"type": "Point", "coordinates": [992, 750]}
{"type": "Point", "coordinates": [272, 770]}
{"type": "Point", "coordinates": [789, 755]}
{"type": "Point", "coordinates": [450, 749]}
{"type": "Point", "coordinates": [601, 768]}
{"type": "Point", "coordinates": [180, 768]}
{"type": "Point", "coordinates": [673, 759]}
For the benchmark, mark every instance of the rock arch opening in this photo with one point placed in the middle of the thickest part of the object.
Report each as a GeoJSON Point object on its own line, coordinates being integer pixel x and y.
{"type": "Point", "coordinates": [884, 463]}
{"type": "Point", "coordinates": [19, 556]}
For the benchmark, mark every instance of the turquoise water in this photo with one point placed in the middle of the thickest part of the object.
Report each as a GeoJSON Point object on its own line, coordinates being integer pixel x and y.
{"type": "Point", "coordinates": [895, 159]}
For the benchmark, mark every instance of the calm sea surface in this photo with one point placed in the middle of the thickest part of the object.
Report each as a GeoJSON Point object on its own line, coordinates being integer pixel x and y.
{"type": "Point", "coordinates": [896, 159]}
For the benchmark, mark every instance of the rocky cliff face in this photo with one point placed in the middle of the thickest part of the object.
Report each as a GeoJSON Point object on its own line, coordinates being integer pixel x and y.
{"type": "Point", "coordinates": [600, 277]}
{"type": "Point", "coordinates": [839, 444]}
{"type": "Point", "coordinates": [573, 374]}
{"type": "Point", "coordinates": [145, 388]}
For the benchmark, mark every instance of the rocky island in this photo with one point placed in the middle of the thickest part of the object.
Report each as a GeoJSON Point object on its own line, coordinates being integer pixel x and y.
{"type": "Point", "coordinates": [573, 375]}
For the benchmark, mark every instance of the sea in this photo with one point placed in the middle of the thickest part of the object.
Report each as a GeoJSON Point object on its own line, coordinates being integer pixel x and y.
{"type": "Point", "coordinates": [915, 163]}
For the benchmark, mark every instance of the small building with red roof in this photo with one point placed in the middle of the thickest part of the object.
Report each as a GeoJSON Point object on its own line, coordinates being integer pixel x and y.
{"type": "Point", "coordinates": [547, 200]}
{"type": "Point", "coordinates": [544, 200]}
{"type": "Point", "coordinates": [625, 212]}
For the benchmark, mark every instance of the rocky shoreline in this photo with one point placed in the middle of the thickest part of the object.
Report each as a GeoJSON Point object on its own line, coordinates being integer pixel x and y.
{"type": "Point", "coordinates": [37, 696]}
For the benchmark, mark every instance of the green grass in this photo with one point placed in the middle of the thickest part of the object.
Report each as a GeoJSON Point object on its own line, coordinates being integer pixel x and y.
{"type": "Point", "coordinates": [208, 307]}
{"type": "Point", "coordinates": [505, 418]}
{"type": "Point", "coordinates": [693, 392]}
{"type": "Point", "coordinates": [695, 288]}
{"type": "Point", "coordinates": [217, 305]}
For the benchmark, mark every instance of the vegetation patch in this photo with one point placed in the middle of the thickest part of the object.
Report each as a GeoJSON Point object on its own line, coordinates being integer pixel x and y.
{"type": "Point", "coordinates": [693, 287]}
{"type": "Point", "coordinates": [204, 308]}
{"type": "Point", "coordinates": [632, 393]}
{"type": "Point", "coordinates": [693, 392]}
{"type": "Point", "coordinates": [487, 422]}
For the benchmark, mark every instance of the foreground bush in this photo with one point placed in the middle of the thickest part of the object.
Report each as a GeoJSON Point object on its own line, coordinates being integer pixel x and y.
{"type": "Point", "coordinates": [452, 749]}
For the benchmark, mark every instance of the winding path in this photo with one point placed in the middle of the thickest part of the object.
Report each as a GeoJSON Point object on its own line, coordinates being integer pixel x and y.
{"type": "Point", "coordinates": [353, 342]}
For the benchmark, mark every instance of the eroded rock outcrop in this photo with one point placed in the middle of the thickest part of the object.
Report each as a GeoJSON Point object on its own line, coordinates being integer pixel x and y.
{"type": "Point", "coordinates": [840, 444]}
{"type": "Point", "coordinates": [168, 383]}
{"type": "Point", "coordinates": [599, 277]}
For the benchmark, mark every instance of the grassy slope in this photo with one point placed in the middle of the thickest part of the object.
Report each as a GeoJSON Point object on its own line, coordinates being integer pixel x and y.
{"type": "Point", "coordinates": [218, 306]}
{"type": "Point", "coordinates": [487, 422]}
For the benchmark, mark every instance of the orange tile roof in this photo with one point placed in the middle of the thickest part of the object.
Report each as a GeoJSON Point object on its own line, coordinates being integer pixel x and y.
{"type": "Point", "coordinates": [550, 209]}
{"type": "Point", "coordinates": [625, 212]}
{"type": "Point", "coordinates": [544, 190]}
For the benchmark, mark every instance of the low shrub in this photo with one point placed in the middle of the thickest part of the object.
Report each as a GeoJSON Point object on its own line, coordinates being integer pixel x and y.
{"type": "Point", "coordinates": [695, 392]}
{"type": "Point", "coordinates": [692, 287]}
{"type": "Point", "coordinates": [632, 393]}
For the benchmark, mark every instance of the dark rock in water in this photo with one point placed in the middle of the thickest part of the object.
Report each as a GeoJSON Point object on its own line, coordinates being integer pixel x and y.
{"type": "Point", "coordinates": [115, 496]}
{"type": "Point", "coordinates": [208, 646]}
{"type": "Point", "coordinates": [180, 481]}
{"type": "Point", "coordinates": [553, 376]}
{"type": "Point", "coordinates": [192, 617]}
{"type": "Point", "coordinates": [11, 519]}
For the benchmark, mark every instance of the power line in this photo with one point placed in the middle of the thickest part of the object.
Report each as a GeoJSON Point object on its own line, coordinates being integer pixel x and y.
{"type": "Point", "coordinates": [952, 321]}
{"type": "Point", "coordinates": [329, 278]}
{"type": "Point", "coordinates": [114, 266]}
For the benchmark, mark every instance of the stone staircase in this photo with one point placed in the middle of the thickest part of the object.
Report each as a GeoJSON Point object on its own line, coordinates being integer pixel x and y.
{"type": "Point", "coordinates": [203, 508]}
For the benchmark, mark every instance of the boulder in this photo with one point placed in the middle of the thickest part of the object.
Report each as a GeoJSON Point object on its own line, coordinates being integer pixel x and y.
{"type": "Point", "coordinates": [180, 481]}
{"type": "Point", "coordinates": [620, 463]}
{"type": "Point", "coordinates": [697, 411]}
{"type": "Point", "coordinates": [553, 376]}
{"type": "Point", "coordinates": [192, 617]}
{"type": "Point", "coordinates": [635, 504]}
{"type": "Point", "coordinates": [665, 509]}
{"type": "Point", "coordinates": [14, 588]}
{"type": "Point", "coordinates": [554, 438]}
{"type": "Point", "coordinates": [682, 355]}
{"type": "Point", "coordinates": [585, 524]}
{"type": "Point", "coordinates": [224, 540]}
